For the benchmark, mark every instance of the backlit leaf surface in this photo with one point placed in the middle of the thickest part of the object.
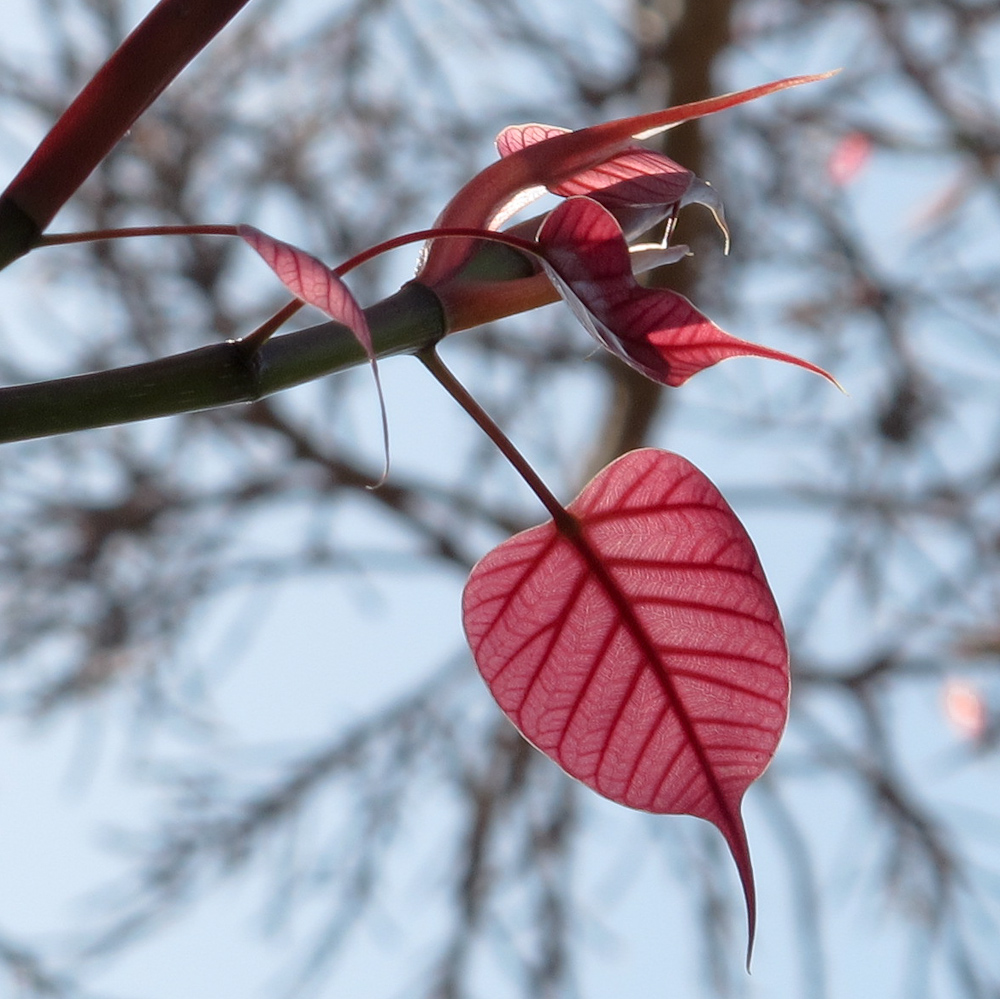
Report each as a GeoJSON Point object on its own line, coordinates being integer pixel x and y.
{"type": "Point", "coordinates": [554, 159]}
{"type": "Point", "coordinates": [656, 331]}
{"type": "Point", "coordinates": [309, 279]}
{"type": "Point", "coordinates": [639, 645]}
{"type": "Point", "coordinates": [634, 176]}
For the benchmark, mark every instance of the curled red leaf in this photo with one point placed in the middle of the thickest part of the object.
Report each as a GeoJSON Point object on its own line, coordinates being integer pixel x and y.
{"type": "Point", "coordinates": [639, 186]}
{"type": "Point", "coordinates": [634, 177]}
{"type": "Point", "coordinates": [485, 201]}
{"type": "Point", "coordinates": [309, 279]}
{"type": "Point", "coordinates": [639, 646]}
{"type": "Point", "coordinates": [656, 331]}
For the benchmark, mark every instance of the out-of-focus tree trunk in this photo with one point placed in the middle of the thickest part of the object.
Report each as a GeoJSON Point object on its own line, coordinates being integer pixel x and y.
{"type": "Point", "coordinates": [677, 47]}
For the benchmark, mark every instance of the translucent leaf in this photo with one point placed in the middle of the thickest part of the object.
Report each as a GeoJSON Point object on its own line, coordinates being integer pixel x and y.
{"type": "Point", "coordinates": [640, 187]}
{"type": "Point", "coordinates": [635, 177]}
{"type": "Point", "coordinates": [554, 159]}
{"type": "Point", "coordinates": [656, 331]}
{"type": "Point", "coordinates": [310, 280]}
{"type": "Point", "coordinates": [639, 646]}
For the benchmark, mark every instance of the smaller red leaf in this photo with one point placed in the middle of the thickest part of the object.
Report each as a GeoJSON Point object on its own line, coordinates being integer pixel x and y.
{"type": "Point", "coordinates": [849, 158]}
{"type": "Point", "coordinates": [656, 331]}
{"type": "Point", "coordinates": [310, 280]}
{"type": "Point", "coordinates": [639, 646]}
{"type": "Point", "coordinates": [514, 138]}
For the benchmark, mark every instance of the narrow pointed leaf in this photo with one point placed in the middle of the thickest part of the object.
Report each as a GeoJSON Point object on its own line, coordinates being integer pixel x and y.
{"type": "Point", "coordinates": [656, 331]}
{"type": "Point", "coordinates": [555, 160]}
{"type": "Point", "coordinates": [310, 280]}
{"type": "Point", "coordinates": [640, 647]}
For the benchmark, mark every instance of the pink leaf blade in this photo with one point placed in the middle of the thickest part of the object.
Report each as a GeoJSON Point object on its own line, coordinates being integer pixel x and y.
{"type": "Point", "coordinates": [514, 138]}
{"type": "Point", "coordinates": [145, 63]}
{"type": "Point", "coordinates": [657, 331]}
{"type": "Point", "coordinates": [634, 178]}
{"type": "Point", "coordinates": [849, 158]}
{"type": "Point", "coordinates": [645, 653]}
{"type": "Point", "coordinates": [312, 281]}
{"type": "Point", "coordinates": [637, 178]}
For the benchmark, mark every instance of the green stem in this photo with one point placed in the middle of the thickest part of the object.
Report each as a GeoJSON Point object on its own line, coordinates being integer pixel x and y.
{"type": "Point", "coordinates": [431, 360]}
{"type": "Point", "coordinates": [216, 375]}
{"type": "Point", "coordinates": [247, 369]}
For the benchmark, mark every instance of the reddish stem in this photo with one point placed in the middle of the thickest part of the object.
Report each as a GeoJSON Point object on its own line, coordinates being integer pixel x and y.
{"type": "Point", "coordinates": [170, 36]}
{"type": "Point", "coordinates": [565, 521]}
{"type": "Point", "coordinates": [420, 235]}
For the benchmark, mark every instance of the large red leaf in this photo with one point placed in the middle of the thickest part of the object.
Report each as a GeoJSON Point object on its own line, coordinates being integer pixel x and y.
{"type": "Point", "coordinates": [636, 176]}
{"type": "Point", "coordinates": [639, 646]}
